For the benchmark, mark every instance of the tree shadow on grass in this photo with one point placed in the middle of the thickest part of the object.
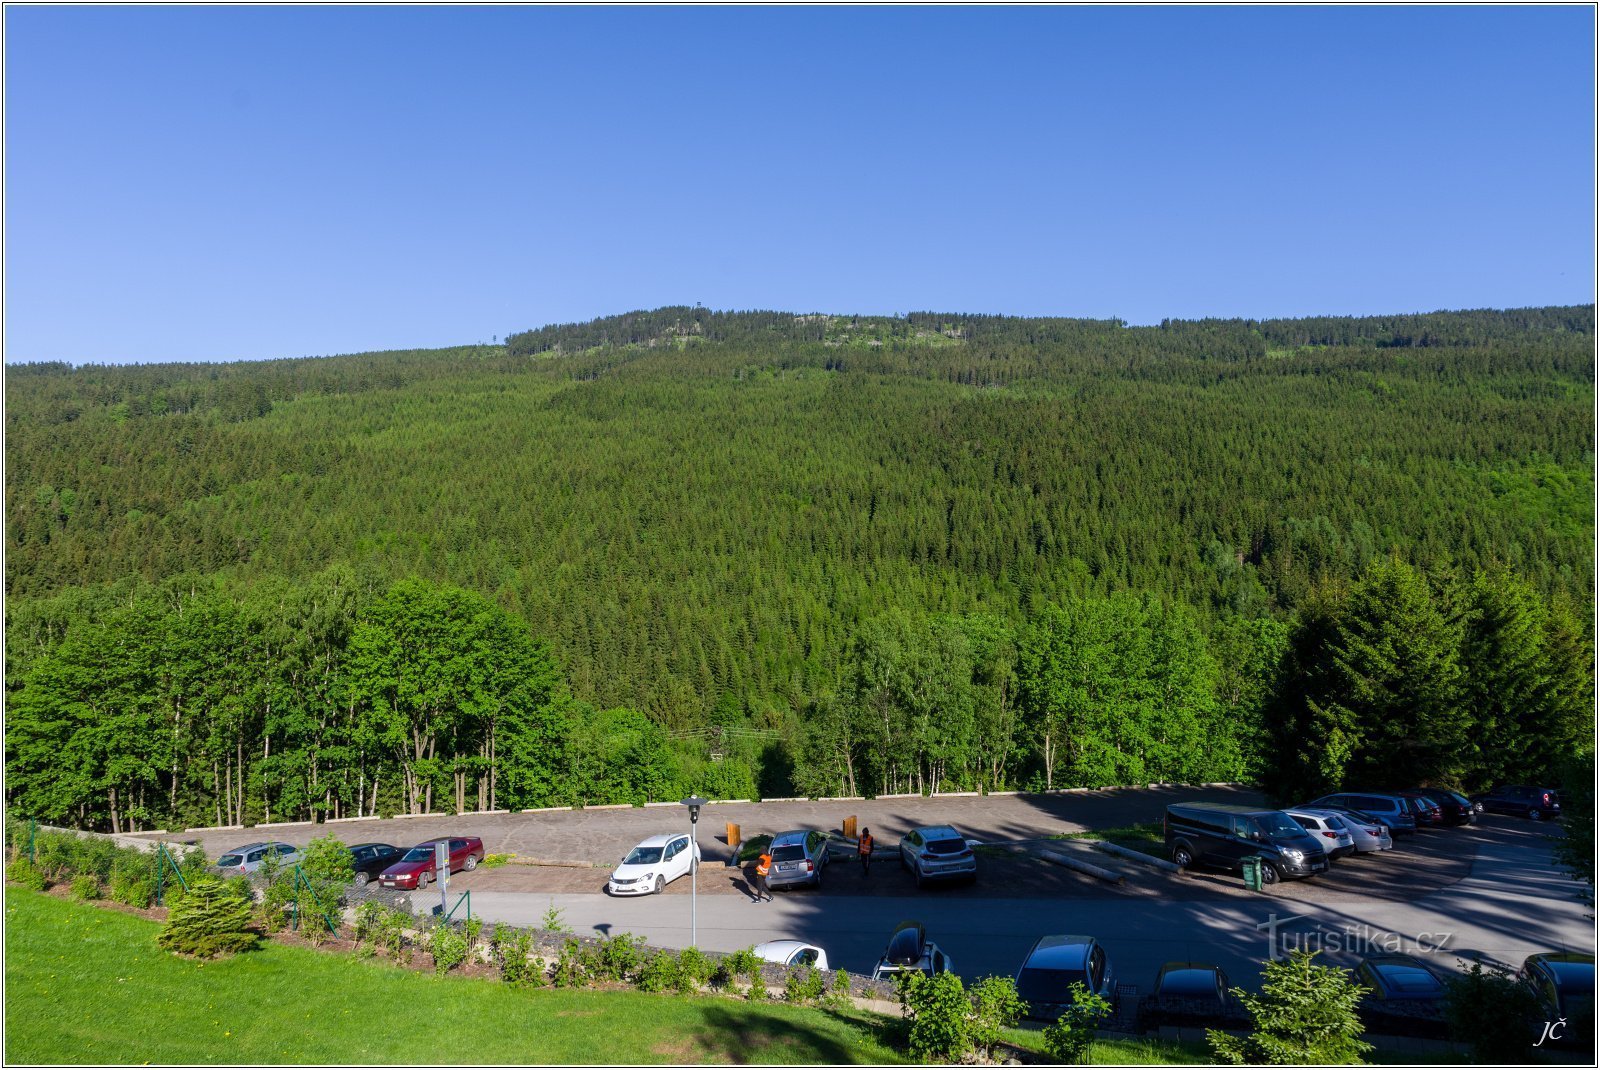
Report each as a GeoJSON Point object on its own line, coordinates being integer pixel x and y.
{"type": "Point", "coordinates": [750, 1034]}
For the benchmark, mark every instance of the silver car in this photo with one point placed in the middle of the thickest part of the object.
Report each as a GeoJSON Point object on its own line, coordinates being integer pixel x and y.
{"type": "Point", "coordinates": [1368, 836]}
{"type": "Point", "coordinates": [1329, 832]}
{"type": "Point", "coordinates": [797, 858]}
{"type": "Point", "coordinates": [251, 856]}
{"type": "Point", "coordinates": [937, 852]}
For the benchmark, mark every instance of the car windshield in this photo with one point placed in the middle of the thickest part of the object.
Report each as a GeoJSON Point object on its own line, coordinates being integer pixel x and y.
{"type": "Point", "coordinates": [643, 856]}
{"type": "Point", "coordinates": [1410, 981]}
{"type": "Point", "coordinates": [1189, 983]}
{"type": "Point", "coordinates": [789, 852]}
{"type": "Point", "coordinates": [1048, 986]}
{"type": "Point", "coordinates": [1279, 823]}
{"type": "Point", "coordinates": [946, 847]}
{"type": "Point", "coordinates": [231, 860]}
{"type": "Point", "coordinates": [419, 854]}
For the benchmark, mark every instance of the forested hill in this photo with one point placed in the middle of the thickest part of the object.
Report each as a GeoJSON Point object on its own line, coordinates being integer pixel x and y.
{"type": "Point", "coordinates": [702, 513]}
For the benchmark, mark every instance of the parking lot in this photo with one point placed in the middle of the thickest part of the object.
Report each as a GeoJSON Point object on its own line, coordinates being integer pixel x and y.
{"type": "Point", "coordinates": [1012, 829]}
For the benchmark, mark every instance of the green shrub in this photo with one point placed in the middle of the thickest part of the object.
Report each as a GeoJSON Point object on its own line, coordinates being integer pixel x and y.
{"type": "Point", "coordinates": [473, 927]}
{"type": "Point", "coordinates": [839, 993]}
{"type": "Point", "coordinates": [695, 968]}
{"type": "Point", "coordinates": [492, 861]}
{"type": "Point", "coordinates": [659, 972]}
{"type": "Point", "coordinates": [240, 885]}
{"type": "Point", "coordinates": [513, 956]}
{"type": "Point", "coordinates": [207, 922]}
{"type": "Point", "coordinates": [568, 972]}
{"type": "Point", "coordinates": [553, 921]}
{"type": "Point", "coordinates": [996, 1007]}
{"type": "Point", "coordinates": [329, 868]}
{"type": "Point", "coordinates": [804, 985]}
{"type": "Point", "coordinates": [1491, 1012]}
{"type": "Point", "coordinates": [85, 886]}
{"type": "Point", "coordinates": [134, 889]}
{"type": "Point", "coordinates": [449, 947]}
{"type": "Point", "coordinates": [55, 853]}
{"type": "Point", "coordinates": [1068, 1038]}
{"type": "Point", "coordinates": [369, 920]}
{"type": "Point", "coordinates": [938, 1009]}
{"type": "Point", "coordinates": [392, 935]}
{"type": "Point", "coordinates": [1305, 1014]}
{"type": "Point", "coordinates": [615, 959]}
{"type": "Point", "coordinates": [25, 873]}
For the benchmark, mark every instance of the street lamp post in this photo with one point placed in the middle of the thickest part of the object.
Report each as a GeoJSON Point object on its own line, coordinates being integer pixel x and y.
{"type": "Point", "coordinates": [694, 803]}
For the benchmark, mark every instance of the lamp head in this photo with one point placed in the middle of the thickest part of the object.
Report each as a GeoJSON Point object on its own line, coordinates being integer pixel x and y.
{"type": "Point", "coordinates": [694, 803]}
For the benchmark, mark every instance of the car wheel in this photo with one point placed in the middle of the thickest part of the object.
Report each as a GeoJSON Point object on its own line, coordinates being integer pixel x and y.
{"type": "Point", "coordinates": [1182, 857]}
{"type": "Point", "coordinates": [917, 872]}
{"type": "Point", "coordinates": [1477, 807]}
{"type": "Point", "coordinates": [1269, 874]}
{"type": "Point", "coordinates": [661, 882]}
{"type": "Point", "coordinates": [422, 881]}
{"type": "Point", "coordinates": [1534, 815]}
{"type": "Point", "coordinates": [472, 863]}
{"type": "Point", "coordinates": [362, 879]}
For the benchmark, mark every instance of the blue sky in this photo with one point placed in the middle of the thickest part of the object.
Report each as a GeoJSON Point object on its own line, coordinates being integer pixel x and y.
{"type": "Point", "coordinates": [229, 183]}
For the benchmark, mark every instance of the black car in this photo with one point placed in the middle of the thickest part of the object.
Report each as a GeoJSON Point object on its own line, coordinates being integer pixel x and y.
{"type": "Point", "coordinates": [1192, 994]}
{"type": "Point", "coordinates": [1405, 996]}
{"type": "Point", "coordinates": [1454, 808]}
{"type": "Point", "coordinates": [1427, 812]}
{"type": "Point", "coordinates": [1225, 835]}
{"type": "Point", "coordinates": [1564, 987]}
{"type": "Point", "coordinates": [372, 859]}
{"type": "Point", "coordinates": [1536, 804]}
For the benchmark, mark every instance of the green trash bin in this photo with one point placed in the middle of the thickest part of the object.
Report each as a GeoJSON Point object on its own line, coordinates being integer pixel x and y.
{"type": "Point", "coordinates": [1252, 873]}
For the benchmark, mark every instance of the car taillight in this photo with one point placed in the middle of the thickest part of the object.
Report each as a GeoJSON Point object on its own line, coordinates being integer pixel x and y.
{"type": "Point", "coordinates": [1546, 797]}
{"type": "Point", "coordinates": [1331, 835]}
{"type": "Point", "coordinates": [808, 865]}
{"type": "Point", "coordinates": [1374, 832]}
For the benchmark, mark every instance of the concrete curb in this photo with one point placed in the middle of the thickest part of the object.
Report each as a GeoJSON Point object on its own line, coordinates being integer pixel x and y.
{"type": "Point", "coordinates": [342, 820]}
{"type": "Point", "coordinates": [1081, 867]}
{"type": "Point", "coordinates": [546, 809]}
{"type": "Point", "coordinates": [1135, 856]}
{"type": "Point", "coordinates": [607, 806]}
{"type": "Point", "coordinates": [283, 824]}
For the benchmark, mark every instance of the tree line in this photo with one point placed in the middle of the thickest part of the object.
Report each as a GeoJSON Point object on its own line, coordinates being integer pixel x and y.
{"type": "Point", "coordinates": [176, 707]}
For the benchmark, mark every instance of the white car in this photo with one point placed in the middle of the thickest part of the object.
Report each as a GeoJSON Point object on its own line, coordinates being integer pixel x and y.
{"type": "Point", "coordinates": [1368, 836]}
{"type": "Point", "coordinates": [792, 953]}
{"type": "Point", "coordinates": [653, 865]}
{"type": "Point", "coordinates": [1329, 832]}
{"type": "Point", "coordinates": [252, 856]}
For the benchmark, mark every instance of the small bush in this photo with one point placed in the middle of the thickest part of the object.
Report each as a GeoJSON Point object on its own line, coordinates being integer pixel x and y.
{"type": "Point", "coordinates": [694, 969]}
{"type": "Point", "coordinates": [449, 948]}
{"type": "Point", "coordinates": [492, 861]}
{"type": "Point", "coordinates": [513, 956]}
{"type": "Point", "coordinates": [1068, 1039]}
{"type": "Point", "coordinates": [369, 921]}
{"type": "Point", "coordinates": [133, 889]}
{"type": "Point", "coordinates": [329, 868]}
{"type": "Point", "coordinates": [473, 927]}
{"type": "Point", "coordinates": [85, 886]}
{"type": "Point", "coordinates": [615, 959]}
{"type": "Point", "coordinates": [839, 994]}
{"type": "Point", "coordinates": [660, 972]}
{"type": "Point", "coordinates": [996, 1007]}
{"type": "Point", "coordinates": [804, 985]}
{"type": "Point", "coordinates": [554, 922]}
{"type": "Point", "coordinates": [25, 873]}
{"type": "Point", "coordinates": [938, 1009]}
{"type": "Point", "coordinates": [1305, 1014]}
{"type": "Point", "coordinates": [208, 922]}
{"type": "Point", "coordinates": [1490, 1011]}
{"type": "Point", "coordinates": [55, 853]}
{"type": "Point", "coordinates": [568, 972]}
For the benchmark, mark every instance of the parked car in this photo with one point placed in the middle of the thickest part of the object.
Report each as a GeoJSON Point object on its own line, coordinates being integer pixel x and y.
{"type": "Point", "coordinates": [798, 857]}
{"type": "Point", "coordinates": [1225, 835]}
{"type": "Point", "coordinates": [252, 856]}
{"type": "Point", "coordinates": [910, 949]}
{"type": "Point", "coordinates": [1368, 834]}
{"type": "Point", "coordinates": [1393, 810]}
{"type": "Point", "coordinates": [371, 859]}
{"type": "Point", "coordinates": [937, 852]}
{"type": "Point", "coordinates": [654, 864]}
{"type": "Point", "coordinates": [1455, 808]}
{"type": "Point", "coordinates": [1536, 804]}
{"type": "Point", "coordinates": [1388, 824]}
{"type": "Point", "coordinates": [417, 866]}
{"type": "Point", "coordinates": [1405, 996]}
{"type": "Point", "coordinates": [1563, 983]}
{"type": "Point", "coordinates": [1428, 814]}
{"type": "Point", "coordinates": [792, 953]}
{"type": "Point", "coordinates": [1053, 966]}
{"type": "Point", "coordinates": [1328, 830]}
{"type": "Point", "coordinates": [1192, 994]}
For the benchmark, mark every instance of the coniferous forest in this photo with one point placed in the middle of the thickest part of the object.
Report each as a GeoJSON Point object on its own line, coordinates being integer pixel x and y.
{"type": "Point", "coordinates": [766, 554]}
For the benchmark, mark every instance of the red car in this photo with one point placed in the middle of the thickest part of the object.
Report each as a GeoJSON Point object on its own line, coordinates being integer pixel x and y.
{"type": "Point", "coordinates": [418, 866]}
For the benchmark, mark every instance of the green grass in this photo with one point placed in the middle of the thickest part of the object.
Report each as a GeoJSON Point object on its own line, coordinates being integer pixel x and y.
{"type": "Point", "coordinates": [88, 985]}
{"type": "Point", "coordinates": [1147, 837]}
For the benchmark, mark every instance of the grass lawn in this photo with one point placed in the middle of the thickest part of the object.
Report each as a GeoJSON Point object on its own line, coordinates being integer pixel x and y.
{"type": "Point", "coordinates": [1148, 837]}
{"type": "Point", "coordinates": [88, 985]}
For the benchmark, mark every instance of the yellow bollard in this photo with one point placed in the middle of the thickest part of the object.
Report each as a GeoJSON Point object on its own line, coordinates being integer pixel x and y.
{"type": "Point", "coordinates": [850, 827]}
{"type": "Point", "coordinates": [733, 834]}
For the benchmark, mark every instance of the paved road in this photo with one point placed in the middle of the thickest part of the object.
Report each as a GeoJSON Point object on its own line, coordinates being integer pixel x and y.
{"type": "Point", "coordinates": [1512, 903]}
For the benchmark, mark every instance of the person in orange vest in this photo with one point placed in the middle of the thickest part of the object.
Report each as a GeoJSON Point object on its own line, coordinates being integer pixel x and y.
{"type": "Point", "coordinates": [864, 849]}
{"type": "Point", "coordinates": [763, 867]}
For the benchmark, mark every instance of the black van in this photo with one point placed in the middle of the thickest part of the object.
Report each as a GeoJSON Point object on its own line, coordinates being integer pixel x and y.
{"type": "Point", "coordinates": [1222, 835]}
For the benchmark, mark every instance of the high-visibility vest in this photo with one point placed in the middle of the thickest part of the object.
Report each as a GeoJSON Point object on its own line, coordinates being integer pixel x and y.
{"type": "Point", "coordinates": [865, 844]}
{"type": "Point", "coordinates": [763, 865]}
